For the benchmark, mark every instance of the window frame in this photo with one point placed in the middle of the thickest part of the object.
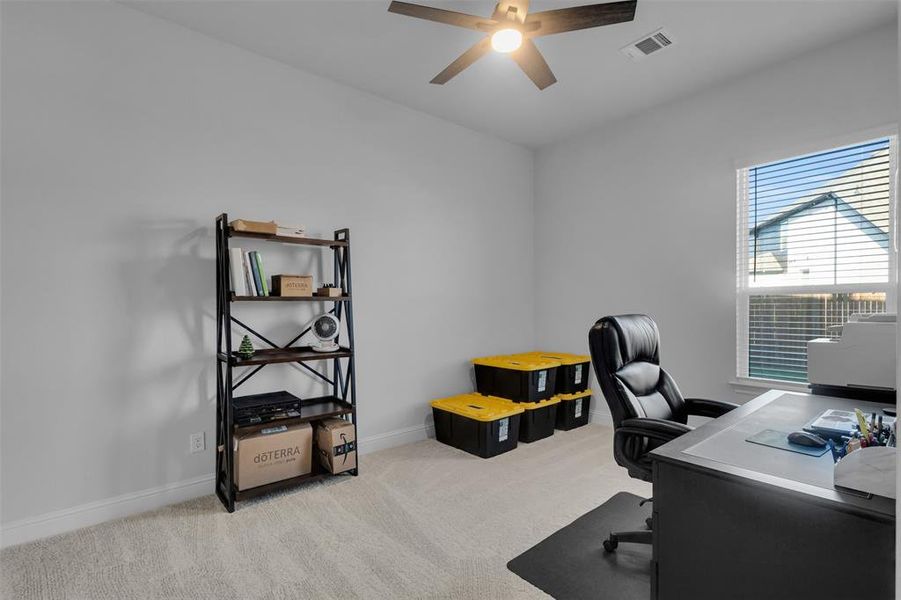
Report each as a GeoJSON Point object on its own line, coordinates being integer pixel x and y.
{"type": "Point", "coordinates": [743, 288]}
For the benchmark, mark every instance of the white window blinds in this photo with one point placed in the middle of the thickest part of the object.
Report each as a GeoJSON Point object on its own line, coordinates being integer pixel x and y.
{"type": "Point", "coordinates": [815, 244]}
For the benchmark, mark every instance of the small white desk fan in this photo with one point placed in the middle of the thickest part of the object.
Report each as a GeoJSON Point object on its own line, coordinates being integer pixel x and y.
{"type": "Point", "coordinates": [326, 328]}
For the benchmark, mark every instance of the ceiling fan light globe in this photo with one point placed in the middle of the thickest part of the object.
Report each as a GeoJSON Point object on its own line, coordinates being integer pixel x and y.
{"type": "Point", "coordinates": [506, 40]}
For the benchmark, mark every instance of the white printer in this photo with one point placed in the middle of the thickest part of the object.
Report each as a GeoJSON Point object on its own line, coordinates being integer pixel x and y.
{"type": "Point", "coordinates": [861, 360]}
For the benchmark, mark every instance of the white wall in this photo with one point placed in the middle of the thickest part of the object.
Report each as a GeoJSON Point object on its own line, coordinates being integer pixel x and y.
{"type": "Point", "coordinates": [123, 137]}
{"type": "Point", "coordinates": [640, 215]}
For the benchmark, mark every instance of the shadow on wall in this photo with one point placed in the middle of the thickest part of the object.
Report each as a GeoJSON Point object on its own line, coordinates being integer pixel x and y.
{"type": "Point", "coordinates": [281, 323]}
{"type": "Point", "coordinates": [163, 362]}
{"type": "Point", "coordinates": [447, 372]}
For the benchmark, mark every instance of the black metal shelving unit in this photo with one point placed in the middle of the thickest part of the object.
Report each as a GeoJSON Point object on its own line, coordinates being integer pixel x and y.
{"type": "Point", "coordinates": [341, 377]}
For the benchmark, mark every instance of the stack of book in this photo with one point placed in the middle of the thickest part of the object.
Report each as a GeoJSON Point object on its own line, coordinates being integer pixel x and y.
{"type": "Point", "coordinates": [247, 275]}
{"type": "Point", "coordinates": [297, 231]}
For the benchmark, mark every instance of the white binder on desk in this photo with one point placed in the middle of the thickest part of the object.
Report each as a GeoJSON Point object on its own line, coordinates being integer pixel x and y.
{"type": "Point", "coordinates": [871, 470]}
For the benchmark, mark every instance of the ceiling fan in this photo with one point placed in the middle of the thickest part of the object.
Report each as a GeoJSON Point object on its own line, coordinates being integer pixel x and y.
{"type": "Point", "coordinates": [511, 27]}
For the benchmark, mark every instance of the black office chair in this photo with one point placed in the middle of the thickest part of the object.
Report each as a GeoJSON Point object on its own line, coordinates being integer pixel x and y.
{"type": "Point", "coordinates": [648, 409]}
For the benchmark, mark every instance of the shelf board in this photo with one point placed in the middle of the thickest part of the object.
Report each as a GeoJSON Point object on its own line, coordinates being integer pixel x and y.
{"type": "Point", "coordinates": [289, 298]}
{"type": "Point", "coordinates": [312, 409]}
{"type": "Point", "coordinates": [283, 484]}
{"type": "Point", "coordinates": [286, 355]}
{"type": "Point", "coordinates": [287, 239]}
{"type": "Point", "coordinates": [325, 407]}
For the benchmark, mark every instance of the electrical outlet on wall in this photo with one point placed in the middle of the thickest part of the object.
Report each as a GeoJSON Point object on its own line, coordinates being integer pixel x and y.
{"type": "Point", "coordinates": [198, 443]}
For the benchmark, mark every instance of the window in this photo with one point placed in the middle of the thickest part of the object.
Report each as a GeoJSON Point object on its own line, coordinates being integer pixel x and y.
{"type": "Point", "coordinates": [815, 244]}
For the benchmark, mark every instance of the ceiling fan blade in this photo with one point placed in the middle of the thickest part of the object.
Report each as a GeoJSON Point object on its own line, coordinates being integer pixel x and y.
{"type": "Point", "coordinates": [517, 9]}
{"type": "Point", "coordinates": [580, 17]}
{"type": "Point", "coordinates": [530, 60]}
{"type": "Point", "coordinates": [448, 17]}
{"type": "Point", "coordinates": [463, 61]}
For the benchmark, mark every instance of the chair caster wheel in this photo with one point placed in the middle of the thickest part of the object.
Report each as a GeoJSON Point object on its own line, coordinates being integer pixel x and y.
{"type": "Point", "coordinates": [610, 545]}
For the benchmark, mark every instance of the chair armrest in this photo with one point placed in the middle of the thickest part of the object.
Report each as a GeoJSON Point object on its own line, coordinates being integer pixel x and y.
{"type": "Point", "coordinates": [702, 407]}
{"type": "Point", "coordinates": [655, 429]}
{"type": "Point", "coordinates": [634, 438]}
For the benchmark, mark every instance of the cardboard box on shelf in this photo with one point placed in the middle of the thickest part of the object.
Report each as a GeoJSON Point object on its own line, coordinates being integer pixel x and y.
{"type": "Point", "coordinates": [336, 445]}
{"type": "Point", "coordinates": [266, 454]}
{"type": "Point", "coordinates": [292, 285]}
{"type": "Point", "coordinates": [329, 292]}
{"type": "Point", "coordinates": [254, 226]}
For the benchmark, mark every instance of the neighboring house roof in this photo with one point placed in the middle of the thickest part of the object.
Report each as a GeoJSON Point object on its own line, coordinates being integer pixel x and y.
{"type": "Point", "coordinates": [866, 188]}
{"type": "Point", "coordinates": [876, 233]}
{"type": "Point", "coordinates": [768, 262]}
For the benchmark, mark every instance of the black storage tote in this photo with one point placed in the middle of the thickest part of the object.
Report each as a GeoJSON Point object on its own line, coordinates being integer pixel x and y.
{"type": "Point", "coordinates": [573, 410]}
{"type": "Point", "coordinates": [538, 420]}
{"type": "Point", "coordinates": [517, 378]}
{"type": "Point", "coordinates": [480, 425]}
{"type": "Point", "coordinates": [572, 374]}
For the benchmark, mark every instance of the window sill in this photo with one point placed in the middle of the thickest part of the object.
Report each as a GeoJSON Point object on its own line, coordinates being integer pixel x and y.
{"type": "Point", "coordinates": [754, 387]}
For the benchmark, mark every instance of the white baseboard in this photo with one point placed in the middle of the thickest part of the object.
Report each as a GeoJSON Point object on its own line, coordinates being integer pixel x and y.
{"type": "Point", "coordinates": [398, 437]}
{"type": "Point", "coordinates": [600, 415]}
{"type": "Point", "coordinates": [99, 511]}
{"type": "Point", "coordinates": [92, 513]}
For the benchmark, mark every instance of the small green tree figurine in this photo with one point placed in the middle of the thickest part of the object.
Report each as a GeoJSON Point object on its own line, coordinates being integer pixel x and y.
{"type": "Point", "coordinates": [245, 350]}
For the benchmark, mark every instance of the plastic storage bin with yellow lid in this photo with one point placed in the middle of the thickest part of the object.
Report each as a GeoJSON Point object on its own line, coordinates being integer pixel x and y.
{"type": "Point", "coordinates": [572, 375]}
{"type": "Point", "coordinates": [573, 410]}
{"type": "Point", "coordinates": [521, 379]}
{"type": "Point", "coordinates": [539, 419]}
{"type": "Point", "coordinates": [480, 425]}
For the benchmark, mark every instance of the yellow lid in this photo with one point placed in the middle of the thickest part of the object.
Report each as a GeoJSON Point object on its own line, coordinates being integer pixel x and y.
{"type": "Point", "coordinates": [517, 362]}
{"type": "Point", "coordinates": [533, 405]}
{"type": "Point", "coordinates": [478, 407]}
{"type": "Point", "coordinates": [574, 396]}
{"type": "Point", "coordinates": [561, 357]}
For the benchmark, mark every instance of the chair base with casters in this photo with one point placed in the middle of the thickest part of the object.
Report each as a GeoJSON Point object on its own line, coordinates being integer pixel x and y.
{"type": "Point", "coordinates": [647, 407]}
{"type": "Point", "coordinates": [635, 537]}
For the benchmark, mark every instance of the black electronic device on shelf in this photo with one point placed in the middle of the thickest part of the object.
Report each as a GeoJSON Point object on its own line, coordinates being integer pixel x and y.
{"type": "Point", "coordinates": [263, 408]}
{"type": "Point", "coordinates": [232, 370]}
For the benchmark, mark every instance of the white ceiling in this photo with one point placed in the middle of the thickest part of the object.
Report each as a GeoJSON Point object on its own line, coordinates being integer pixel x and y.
{"type": "Point", "coordinates": [359, 43]}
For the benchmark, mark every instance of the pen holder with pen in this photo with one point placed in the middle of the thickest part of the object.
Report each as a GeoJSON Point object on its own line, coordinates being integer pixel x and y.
{"type": "Point", "coordinates": [870, 470]}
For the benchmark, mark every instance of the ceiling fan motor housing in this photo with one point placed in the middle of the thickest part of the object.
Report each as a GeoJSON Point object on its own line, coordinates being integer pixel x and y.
{"type": "Point", "coordinates": [511, 28]}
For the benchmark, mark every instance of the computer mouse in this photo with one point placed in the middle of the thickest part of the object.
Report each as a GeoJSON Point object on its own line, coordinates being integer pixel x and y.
{"type": "Point", "coordinates": [802, 438]}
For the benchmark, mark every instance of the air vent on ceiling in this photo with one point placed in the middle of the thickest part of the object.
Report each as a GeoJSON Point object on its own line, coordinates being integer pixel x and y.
{"type": "Point", "coordinates": [648, 44]}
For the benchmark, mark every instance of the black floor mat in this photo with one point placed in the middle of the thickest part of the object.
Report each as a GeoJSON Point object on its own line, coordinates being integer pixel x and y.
{"type": "Point", "coordinates": [571, 564]}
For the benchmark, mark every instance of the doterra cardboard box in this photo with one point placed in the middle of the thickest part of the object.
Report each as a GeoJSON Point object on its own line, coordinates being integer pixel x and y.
{"type": "Point", "coordinates": [271, 453]}
{"type": "Point", "coordinates": [292, 285]}
{"type": "Point", "coordinates": [336, 445]}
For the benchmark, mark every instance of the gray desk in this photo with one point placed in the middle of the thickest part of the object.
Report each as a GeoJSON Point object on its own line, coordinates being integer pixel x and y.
{"type": "Point", "coordinates": [737, 520]}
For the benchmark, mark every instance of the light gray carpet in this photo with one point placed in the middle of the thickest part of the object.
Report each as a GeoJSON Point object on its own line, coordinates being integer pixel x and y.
{"type": "Point", "coordinates": [421, 521]}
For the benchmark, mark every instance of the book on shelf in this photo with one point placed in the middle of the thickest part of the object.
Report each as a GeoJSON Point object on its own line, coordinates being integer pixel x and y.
{"type": "Point", "coordinates": [265, 286]}
{"type": "Point", "coordinates": [297, 231]}
{"type": "Point", "coordinates": [255, 269]}
{"type": "Point", "coordinates": [236, 270]}
{"type": "Point", "coordinates": [248, 276]}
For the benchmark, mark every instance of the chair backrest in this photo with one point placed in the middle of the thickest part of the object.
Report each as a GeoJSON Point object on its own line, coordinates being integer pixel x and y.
{"type": "Point", "coordinates": [625, 352]}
